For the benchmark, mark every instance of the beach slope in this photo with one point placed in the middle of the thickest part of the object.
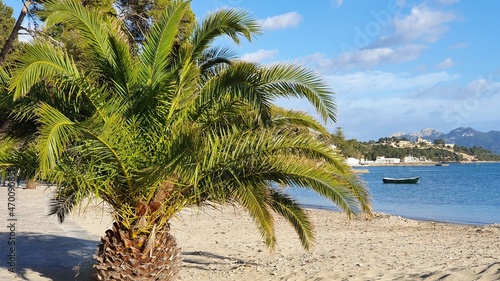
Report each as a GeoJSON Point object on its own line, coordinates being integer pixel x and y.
{"type": "Point", "coordinates": [225, 245]}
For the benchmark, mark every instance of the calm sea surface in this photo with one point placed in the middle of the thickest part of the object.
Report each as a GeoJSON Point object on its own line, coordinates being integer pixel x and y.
{"type": "Point", "coordinates": [458, 193]}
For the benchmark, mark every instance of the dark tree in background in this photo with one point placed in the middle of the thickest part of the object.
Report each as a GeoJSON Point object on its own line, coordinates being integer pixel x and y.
{"type": "Point", "coordinates": [8, 42]}
{"type": "Point", "coordinates": [139, 15]}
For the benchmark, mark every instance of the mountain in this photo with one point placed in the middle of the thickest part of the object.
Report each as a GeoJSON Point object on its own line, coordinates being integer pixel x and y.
{"type": "Point", "coordinates": [467, 137]}
{"type": "Point", "coordinates": [428, 134]}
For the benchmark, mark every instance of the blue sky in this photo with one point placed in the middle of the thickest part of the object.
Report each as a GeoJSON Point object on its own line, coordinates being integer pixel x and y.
{"type": "Point", "coordinates": [394, 65]}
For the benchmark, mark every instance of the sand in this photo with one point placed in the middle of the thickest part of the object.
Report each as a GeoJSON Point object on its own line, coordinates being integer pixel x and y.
{"type": "Point", "coordinates": [225, 245]}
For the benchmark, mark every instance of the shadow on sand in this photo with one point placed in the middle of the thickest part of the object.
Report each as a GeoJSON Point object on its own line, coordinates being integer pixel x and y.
{"type": "Point", "coordinates": [201, 260]}
{"type": "Point", "coordinates": [41, 256]}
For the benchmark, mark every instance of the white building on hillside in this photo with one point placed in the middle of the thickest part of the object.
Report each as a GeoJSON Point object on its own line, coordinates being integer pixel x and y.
{"type": "Point", "coordinates": [383, 160]}
{"type": "Point", "coordinates": [352, 161]}
{"type": "Point", "coordinates": [411, 159]}
{"type": "Point", "coordinates": [404, 143]}
{"type": "Point", "coordinates": [420, 140]}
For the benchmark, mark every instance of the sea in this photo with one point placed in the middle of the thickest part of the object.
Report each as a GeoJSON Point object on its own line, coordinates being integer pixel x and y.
{"type": "Point", "coordinates": [458, 193]}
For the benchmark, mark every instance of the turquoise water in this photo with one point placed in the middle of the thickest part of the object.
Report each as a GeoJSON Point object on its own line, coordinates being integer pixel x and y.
{"type": "Point", "coordinates": [458, 193]}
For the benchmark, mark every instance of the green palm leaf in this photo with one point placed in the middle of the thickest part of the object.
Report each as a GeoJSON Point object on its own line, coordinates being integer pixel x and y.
{"type": "Point", "coordinates": [287, 80]}
{"type": "Point", "coordinates": [94, 27]}
{"type": "Point", "coordinates": [240, 80]}
{"type": "Point", "coordinates": [159, 42]}
{"type": "Point", "coordinates": [42, 62]}
{"type": "Point", "coordinates": [56, 133]}
{"type": "Point", "coordinates": [233, 23]}
{"type": "Point", "coordinates": [288, 208]}
{"type": "Point", "coordinates": [255, 199]}
{"type": "Point", "coordinates": [296, 119]}
{"type": "Point", "coordinates": [102, 35]}
{"type": "Point", "coordinates": [4, 77]}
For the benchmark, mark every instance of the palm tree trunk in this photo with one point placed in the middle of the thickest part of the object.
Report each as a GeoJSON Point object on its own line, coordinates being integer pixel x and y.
{"type": "Point", "coordinates": [154, 257]}
{"type": "Point", "coordinates": [31, 184]}
{"type": "Point", "coordinates": [8, 45]}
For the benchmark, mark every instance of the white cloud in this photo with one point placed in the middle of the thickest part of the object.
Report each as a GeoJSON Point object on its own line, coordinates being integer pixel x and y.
{"type": "Point", "coordinates": [376, 56]}
{"type": "Point", "coordinates": [481, 88]}
{"type": "Point", "coordinates": [372, 118]}
{"type": "Point", "coordinates": [448, 62]}
{"type": "Point", "coordinates": [409, 39]}
{"type": "Point", "coordinates": [461, 45]}
{"type": "Point", "coordinates": [281, 21]}
{"type": "Point", "coordinates": [447, 2]}
{"type": "Point", "coordinates": [444, 106]}
{"type": "Point", "coordinates": [410, 36]}
{"type": "Point", "coordinates": [377, 83]}
{"type": "Point", "coordinates": [337, 3]}
{"type": "Point", "coordinates": [375, 104]}
{"type": "Point", "coordinates": [365, 58]}
{"type": "Point", "coordinates": [422, 24]}
{"type": "Point", "coordinates": [260, 55]}
{"type": "Point", "coordinates": [478, 89]}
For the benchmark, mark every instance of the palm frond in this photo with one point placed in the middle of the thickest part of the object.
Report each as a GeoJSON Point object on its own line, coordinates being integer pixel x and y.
{"type": "Point", "coordinates": [159, 42]}
{"type": "Point", "coordinates": [215, 56]}
{"type": "Point", "coordinates": [230, 22]}
{"type": "Point", "coordinates": [66, 197]}
{"type": "Point", "coordinates": [56, 132]}
{"type": "Point", "coordinates": [122, 73]}
{"type": "Point", "coordinates": [102, 146]}
{"type": "Point", "coordinates": [102, 34]}
{"type": "Point", "coordinates": [288, 208]}
{"type": "Point", "coordinates": [94, 27]}
{"type": "Point", "coordinates": [320, 181]}
{"type": "Point", "coordinates": [4, 77]}
{"type": "Point", "coordinates": [296, 119]}
{"type": "Point", "coordinates": [255, 199]}
{"type": "Point", "coordinates": [288, 80]}
{"type": "Point", "coordinates": [61, 206]}
{"type": "Point", "coordinates": [263, 156]}
{"type": "Point", "coordinates": [240, 80]}
{"type": "Point", "coordinates": [358, 189]}
{"type": "Point", "coordinates": [7, 149]}
{"type": "Point", "coordinates": [42, 62]}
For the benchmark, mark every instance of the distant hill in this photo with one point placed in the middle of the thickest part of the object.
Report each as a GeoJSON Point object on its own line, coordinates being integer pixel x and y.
{"type": "Point", "coordinates": [467, 137]}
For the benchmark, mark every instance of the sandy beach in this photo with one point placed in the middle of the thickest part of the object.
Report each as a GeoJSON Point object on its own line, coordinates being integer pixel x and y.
{"type": "Point", "coordinates": [225, 245]}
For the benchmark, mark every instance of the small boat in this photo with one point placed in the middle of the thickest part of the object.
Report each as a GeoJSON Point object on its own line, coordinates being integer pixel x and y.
{"type": "Point", "coordinates": [400, 180]}
{"type": "Point", "coordinates": [442, 164]}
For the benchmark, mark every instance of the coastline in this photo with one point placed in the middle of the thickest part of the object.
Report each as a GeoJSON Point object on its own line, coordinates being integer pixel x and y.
{"type": "Point", "coordinates": [226, 245]}
{"type": "Point", "coordinates": [416, 164]}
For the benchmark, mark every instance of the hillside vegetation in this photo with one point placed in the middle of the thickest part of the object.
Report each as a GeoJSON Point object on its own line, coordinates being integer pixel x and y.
{"type": "Point", "coordinates": [395, 147]}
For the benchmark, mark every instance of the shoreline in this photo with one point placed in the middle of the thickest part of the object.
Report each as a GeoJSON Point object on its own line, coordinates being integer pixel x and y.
{"type": "Point", "coordinates": [419, 164]}
{"type": "Point", "coordinates": [225, 245]}
{"type": "Point", "coordinates": [421, 219]}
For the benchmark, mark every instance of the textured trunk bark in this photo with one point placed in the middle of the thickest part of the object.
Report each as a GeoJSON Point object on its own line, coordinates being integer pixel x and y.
{"type": "Point", "coordinates": [123, 258]}
{"type": "Point", "coordinates": [8, 45]}
{"type": "Point", "coordinates": [30, 184]}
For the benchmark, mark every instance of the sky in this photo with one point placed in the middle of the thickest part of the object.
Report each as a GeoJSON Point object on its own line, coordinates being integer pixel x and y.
{"type": "Point", "coordinates": [394, 65]}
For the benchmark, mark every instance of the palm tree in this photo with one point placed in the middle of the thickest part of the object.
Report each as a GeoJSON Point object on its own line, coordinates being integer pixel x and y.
{"type": "Point", "coordinates": [176, 125]}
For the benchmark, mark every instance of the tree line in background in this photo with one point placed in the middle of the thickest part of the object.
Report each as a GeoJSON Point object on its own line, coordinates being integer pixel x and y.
{"type": "Point", "coordinates": [137, 17]}
{"type": "Point", "coordinates": [438, 152]}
